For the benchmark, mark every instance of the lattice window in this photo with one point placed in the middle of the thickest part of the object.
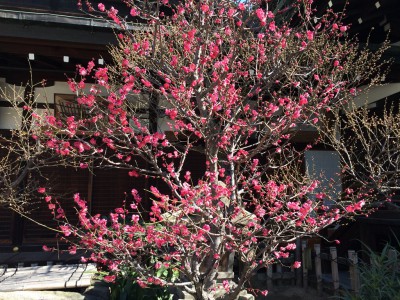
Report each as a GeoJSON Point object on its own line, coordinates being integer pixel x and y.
{"type": "Point", "coordinates": [138, 106]}
{"type": "Point", "coordinates": [67, 106]}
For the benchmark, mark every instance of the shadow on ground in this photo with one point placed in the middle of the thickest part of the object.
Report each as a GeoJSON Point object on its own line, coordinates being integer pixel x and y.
{"type": "Point", "coordinates": [293, 293]}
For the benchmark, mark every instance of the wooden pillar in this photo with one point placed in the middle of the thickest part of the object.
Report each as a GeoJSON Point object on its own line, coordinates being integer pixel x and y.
{"type": "Point", "coordinates": [354, 275]}
{"type": "Point", "coordinates": [153, 127]}
{"type": "Point", "coordinates": [270, 284]}
{"type": "Point", "coordinates": [18, 221]}
{"type": "Point", "coordinates": [318, 267]}
{"type": "Point", "coordinates": [335, 271]}
{"type": "Point", "coordinates": [279, 274]}
{"type": "Point", "coordinates": [153, 113]}
{"type": "Point", "coordinates": [90, 188]}
{"type": "Point", "coordinates": [304, 263]}
{"type": "Point", "coordinates": [298, 257]}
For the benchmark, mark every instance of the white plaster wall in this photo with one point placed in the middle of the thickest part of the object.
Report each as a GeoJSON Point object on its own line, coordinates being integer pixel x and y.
{"type": "Point", "coordinates": [46, 94]}
{"type": "Point", "coordinates": [9, 117]}
{"type": "Point", "coordinates": [9, 91]}
{"type": "Point", "coordinates": [325, 167]}
{"type": "Point", "coordinates": [369, 95]}
{"type": "Point", "coordinates": [164, 124]}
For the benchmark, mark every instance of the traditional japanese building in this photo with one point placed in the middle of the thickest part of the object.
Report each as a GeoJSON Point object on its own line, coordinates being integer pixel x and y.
{"type": "Point", "coordinates": [43, 41]}
{"type": "Point", "coordinates": [373, 21]}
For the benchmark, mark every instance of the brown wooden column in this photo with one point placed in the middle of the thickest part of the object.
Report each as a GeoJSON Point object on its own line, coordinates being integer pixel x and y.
{"type": "Point", "coordinates": [18, 221]}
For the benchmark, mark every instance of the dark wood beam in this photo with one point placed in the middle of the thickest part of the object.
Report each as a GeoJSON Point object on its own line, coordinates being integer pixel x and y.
{"type": "Point", "coordinates": [4, 103]}
{"type": "Point", "coordinates": [52, 48]}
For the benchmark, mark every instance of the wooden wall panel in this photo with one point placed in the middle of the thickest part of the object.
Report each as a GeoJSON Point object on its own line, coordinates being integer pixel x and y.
{"type": "Point", "coordinates": [6, 217]}
{"type": "Point", "coordinates": [196, 164]}
{"type": "Point", "coordinates": [111, 187]}
{"type": "Point", "coordinates": [64, 183]}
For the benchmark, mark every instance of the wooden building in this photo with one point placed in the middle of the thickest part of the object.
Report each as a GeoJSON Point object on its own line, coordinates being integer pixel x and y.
{"type": "Point", "coordinates": [45, 40]}
{"type": "Point", "coordinates": [373, 20]}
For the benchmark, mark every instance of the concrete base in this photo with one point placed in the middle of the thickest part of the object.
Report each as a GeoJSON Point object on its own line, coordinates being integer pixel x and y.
{"type": "Point", "coordinates": [41, 295]}
{"type": "Point", "coordinates": [98, 291]}
{"type": "Point", "coordinates": [243, 295]}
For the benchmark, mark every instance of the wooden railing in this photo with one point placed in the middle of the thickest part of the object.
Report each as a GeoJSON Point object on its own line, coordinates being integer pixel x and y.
{"type": "Point", "coordinates": [321, 269]}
